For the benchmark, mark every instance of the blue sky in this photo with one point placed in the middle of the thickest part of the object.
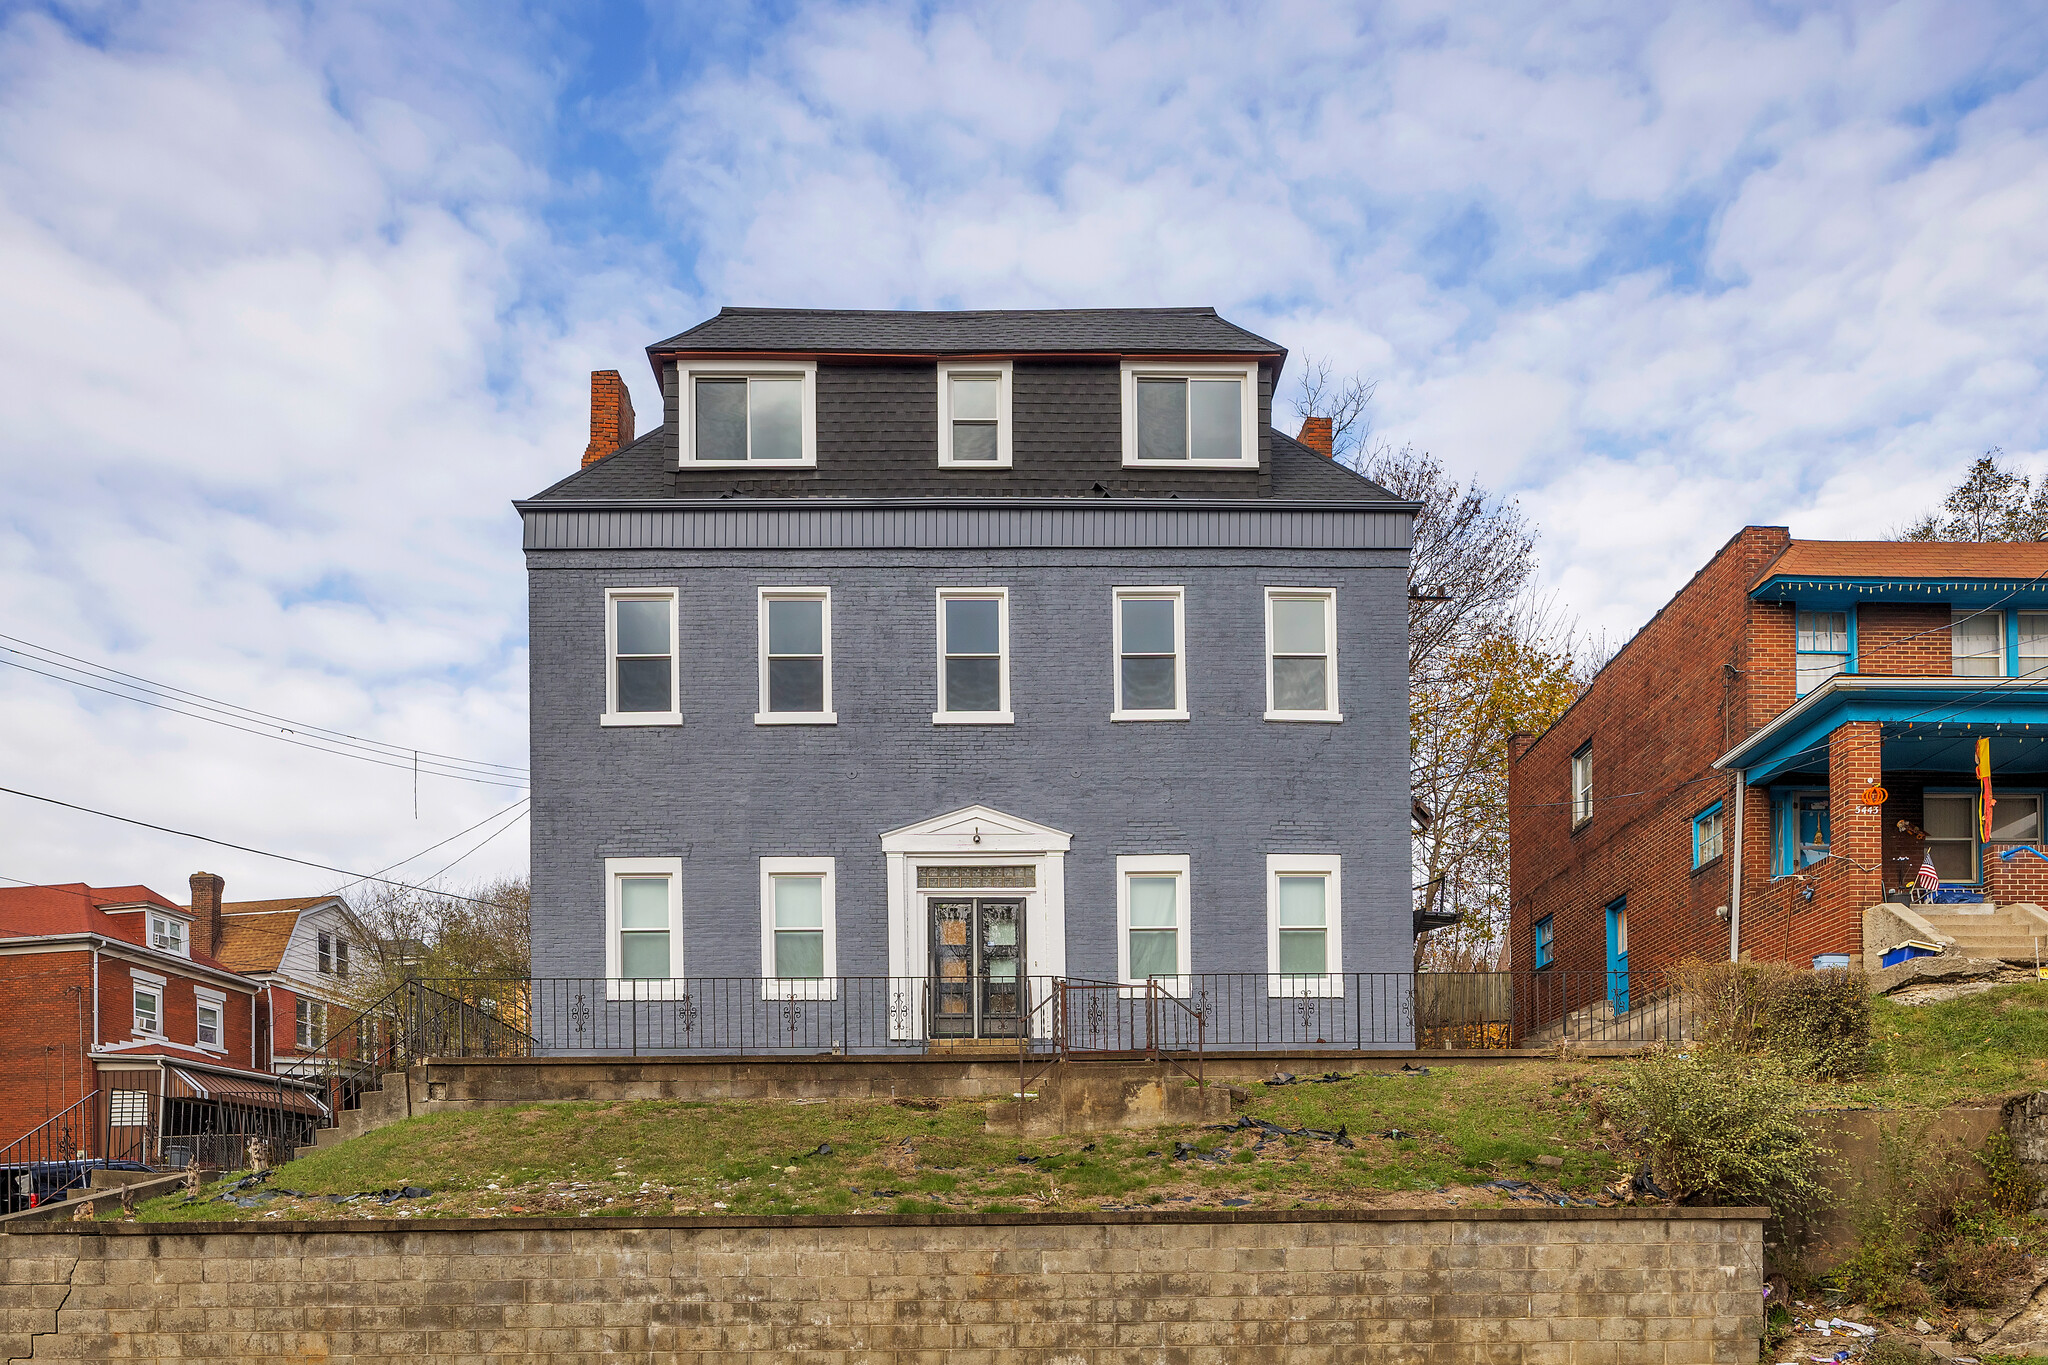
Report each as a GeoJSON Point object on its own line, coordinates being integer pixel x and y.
{"type": "Point", "coordinates": [295, 299]}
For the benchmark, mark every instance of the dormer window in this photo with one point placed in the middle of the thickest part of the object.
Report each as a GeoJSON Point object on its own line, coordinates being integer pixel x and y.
{"type": "Point", "coordinates": [167, 934]}
{"type": "Point", "coordinates": [974, 415]}
{"type": "Point", "coordinates": [749, 413]}
{"type": "Point", "coordinates": [1190, 415]}
{"type": "Point", "coordinates": [333, 954]}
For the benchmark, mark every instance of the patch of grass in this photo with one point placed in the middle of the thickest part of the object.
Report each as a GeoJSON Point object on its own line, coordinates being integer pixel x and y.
{"type": "Point", "coordinates": [1974, 1047]}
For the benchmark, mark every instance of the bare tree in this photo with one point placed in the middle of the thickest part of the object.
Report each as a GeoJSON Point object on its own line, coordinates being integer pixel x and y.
{"type": "Point", "coordinates": [480, 932]}
{"type": "Point", "coordinates": [1991, 503]}
{"type": "Point", "coordinates": [1345, 401]}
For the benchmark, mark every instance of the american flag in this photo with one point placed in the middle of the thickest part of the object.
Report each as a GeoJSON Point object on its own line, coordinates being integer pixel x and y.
{"type": "Point", "coordinates": [1930, 880]}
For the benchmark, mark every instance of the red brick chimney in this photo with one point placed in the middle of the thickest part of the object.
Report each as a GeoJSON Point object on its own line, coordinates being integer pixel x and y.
{"type": "Point", "coordinates": [1317, 436]}
{"type": "Point", "coordinates": [206, 894]}
{"type": "Point", "coordinates": [611, 415]}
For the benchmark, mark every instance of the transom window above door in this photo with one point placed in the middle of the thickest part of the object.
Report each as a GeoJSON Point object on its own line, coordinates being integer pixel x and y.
{"type": "Point", "coordinates": [974, 657]}
{"type": "Point", "coordinates": [1151, 682]}
{"type": "Point", "coordinates": [748, 412]}
{"type": "Point", "coordinates": [974, 414]}
{"type": "Point", "coordinates": [796, 657]}
{"type": "Point", "coordinates": [1190, 414]}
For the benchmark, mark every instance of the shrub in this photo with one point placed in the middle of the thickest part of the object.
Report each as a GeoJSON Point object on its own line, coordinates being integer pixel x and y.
{"type": "Point", "coordinates": [1816, 1021]}
{"type": "Point", "coordinates": [2010, 1186]}
{"type": "Point", "coordinates": [1720, 1129]}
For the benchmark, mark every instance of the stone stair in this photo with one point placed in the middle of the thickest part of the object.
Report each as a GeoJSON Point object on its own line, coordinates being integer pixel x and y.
{"type": "Point", "coordinates": [2013, 932]}
{"type": "Point", "coordinates": [378, 1108]}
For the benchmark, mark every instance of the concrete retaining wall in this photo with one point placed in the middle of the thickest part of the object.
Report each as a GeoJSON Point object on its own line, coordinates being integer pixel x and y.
{"type": "Point", "coordinates": [1508, 1287]}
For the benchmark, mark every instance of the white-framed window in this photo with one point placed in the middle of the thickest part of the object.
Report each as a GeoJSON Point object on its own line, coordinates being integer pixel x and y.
{"type": "Point", "coordinates": [640, 672]}
{"type": "Point", "coordinates": [1304, 924]}
{"type": "Point", "coordinates": [1822, 648]}
{"type": "Point", "coordinates": [2033, 642]}
{"type": "Point", "coordinates": [1301, 654]}
{"type": "Point", "coordinates": [1191, 414]}
{"type": "Point", "coordinates": [974, 414]}
{"type": "Point", "coordinates": [799, 940]}
{"type": "Point", "coordinates": [211, 1012]}
{"type": "Point", "coordinates": [796, 657]}
{"type": "Point", "coordinates": [167, 935]}
{"type": "Point", "coordinates": [748, 412]}
{"type": "Point", "coordinates": [1152, 900]}
{"type": "Point", "coordinates": [326, 954]}
{"type": "Point", "coordinates": [2015, 817]}
{"type": "Point", "coordinates": [1151, 654]}
{"type": "Point", "coordinates": [1582, 784]}
{"type": "Point", "coordinates": [1977, 643]}
{"type": "Point", "coordinates": [149, 1004]}
{"type": "Point", "coordinates": [312, 1023]}
{"type": "Point", "coordinates": [974, 657]}
{"type": "Point", "coordinates": [340, 956]}
{"type": "Point", "coordinates": [643, 942]}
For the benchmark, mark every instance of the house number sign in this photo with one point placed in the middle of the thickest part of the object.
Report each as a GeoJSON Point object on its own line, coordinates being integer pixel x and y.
{"type": "Point", "coordinates": [1873, 799]}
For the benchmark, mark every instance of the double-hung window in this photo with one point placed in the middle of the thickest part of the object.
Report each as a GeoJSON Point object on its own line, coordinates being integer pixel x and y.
{"type": "Point", "coordinates": [1152, 919]}
{"type": "Point", "coordinates": [326, 954]}
{"type": "Point", "coordinates": [1706, 835]}
{"type": "Point", "coordinates": [1304, 925]}
{"type": "Point", "coordinates": [2015, 817]}
{"type": "Point", "coordinates": [640, 657]}
{"type": "Point", "coordinates": [1180, 415]}
{"type": "Point", "coordinates": [796, 657]}
{"type": "Point", "coordinates": [2033, 645]}
{"type": "Point", "coordinates": [1544, 931]}
{"type": "Point", "coordinates": [1151, 682]}
{"type": "Point", "coordinates": [799, 944]}
{"type": "Point", "coordinates": [1823, 648]}
{"type": "Point", "coordinates": [1977, 643]}
{"type": "Point", "coordinates": [974, 657]}
{"type": "Point", "coordinates": [974, 414]}
{"type": "Point", "coordinates": [1582, 784]}
{"type": "Point", "coordinates": [1301, 654]}
{"type": "Point", "coordinates": [1950, 819]}
{"type": "Point", "coordinates": [749, 412]}
{"type": "Point", "coordinates": [149, 1004]}
{"type": "Point", "coordinates": [312, 1024]}
{"type": "Point", "coordinates": [167, 934]}
{"type": "Point", "coordinates": [643, 950]}
{"type": "Point", "coordinates": [211, 1007]}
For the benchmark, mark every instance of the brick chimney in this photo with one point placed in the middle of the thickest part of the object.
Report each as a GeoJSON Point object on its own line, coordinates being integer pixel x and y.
{"type": "Point", "coordinates": [611, 415]}
{"type": "Point", "coordinates": [1317, 436]}
{"type": "Point", "coordinates": [206, 894]}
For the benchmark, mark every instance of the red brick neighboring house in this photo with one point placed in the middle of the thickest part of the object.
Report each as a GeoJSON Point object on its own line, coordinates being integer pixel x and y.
{"type": "Point", "coordinates": [1711, 793]}
{"type": "Point", "coordinates": [121, 1018]}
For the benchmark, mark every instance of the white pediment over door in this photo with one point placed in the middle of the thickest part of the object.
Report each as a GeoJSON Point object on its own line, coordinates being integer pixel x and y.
{"type": "Point", "coordinates": [976, 829]}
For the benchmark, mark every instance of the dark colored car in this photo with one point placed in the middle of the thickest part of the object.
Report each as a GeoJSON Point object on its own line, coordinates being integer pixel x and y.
{"type": "Point", "coordinates": [40, 1182]}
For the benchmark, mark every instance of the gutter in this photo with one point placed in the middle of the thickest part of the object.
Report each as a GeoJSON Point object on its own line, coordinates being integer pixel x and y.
{"type": "Point", "coordinates": [1735, 874]}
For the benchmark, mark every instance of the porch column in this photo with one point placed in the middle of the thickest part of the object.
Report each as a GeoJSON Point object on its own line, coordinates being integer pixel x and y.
{"type": "Point", "coordinates": [1854, 766]}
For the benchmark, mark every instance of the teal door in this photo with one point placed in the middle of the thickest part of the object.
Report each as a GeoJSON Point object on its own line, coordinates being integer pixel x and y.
{"type": "Point", "coordinates": [1617, 955]}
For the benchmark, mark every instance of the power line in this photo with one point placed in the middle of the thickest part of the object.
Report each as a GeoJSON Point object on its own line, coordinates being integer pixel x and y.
{"type": "Point", "coordinates": [244, 848]}
{"type": "Point", "coordinates": [517, 817]}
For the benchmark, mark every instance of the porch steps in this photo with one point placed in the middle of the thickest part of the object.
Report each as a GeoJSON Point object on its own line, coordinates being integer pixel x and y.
{"type": "Point", "coordinates": [2014, 932]}
{"type": "Point", "coordinates": [378, 1108]}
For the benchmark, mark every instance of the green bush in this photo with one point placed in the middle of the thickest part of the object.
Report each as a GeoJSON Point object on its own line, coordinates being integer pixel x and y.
{"type": "Point", "coordinates": [2010, 1186]}
{"type": "Point", "coordinates": [1818, 1022]}
{"type": "Point", "coordinates": [1720, 1129]}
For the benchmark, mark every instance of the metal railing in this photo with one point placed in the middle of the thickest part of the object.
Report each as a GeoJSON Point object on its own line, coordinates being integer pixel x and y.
{"type": "Point", "coordinates": [1178, 1016]}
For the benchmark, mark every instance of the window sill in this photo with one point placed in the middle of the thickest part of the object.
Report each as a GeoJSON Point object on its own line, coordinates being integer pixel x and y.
{"type": "Point", "coordinates": [1134, 463]}
{"type": "Point", "coordinates": [1175, 986]}
{"type": "Point", "coordinates": [630, 988]}
{"type": "Point", "coordinates": [1148, 715]}
{"type": "Point", "coordinates": [796, 718]}
{"type": "Point", "coordinates": [799, 988]}
{"type": "Point", "coordinates": [211, 1050]}
{"type": "Point", "coordinates": [735, 466]}
{"type": "Point", "coordinates": [974, 718]}
{"type": "Point", "coordinates": [1313, 717]}
{"type": "Point", "coordinates": [1708, 864]}
{"type": "Point", "coordinates": [1326, 987]}
{"type": "Point", "coordinates": [974, 464]}
{"type": "Point", "coordinates": [636, 718]}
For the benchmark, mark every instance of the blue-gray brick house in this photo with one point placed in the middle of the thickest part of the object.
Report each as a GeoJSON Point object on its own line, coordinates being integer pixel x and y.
{"type": "Point", "coordinates": [956, 651]}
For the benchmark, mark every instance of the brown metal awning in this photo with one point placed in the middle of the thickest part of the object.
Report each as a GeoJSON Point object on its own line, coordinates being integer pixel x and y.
{"type": "Point", "coordinates": [180, 1084]}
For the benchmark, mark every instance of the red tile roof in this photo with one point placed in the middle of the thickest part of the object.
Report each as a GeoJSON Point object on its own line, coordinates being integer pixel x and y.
{"type": "Point", "coordinates": [75, 908]}
{"type": "Point", "coordinates": [1909, 559]}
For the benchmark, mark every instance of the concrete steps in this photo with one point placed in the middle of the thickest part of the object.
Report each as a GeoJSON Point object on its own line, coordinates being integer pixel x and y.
{"type": "Point", "coordinates": [2016, 932]}
{"type": "Point", "coordinates": [378, 1108]}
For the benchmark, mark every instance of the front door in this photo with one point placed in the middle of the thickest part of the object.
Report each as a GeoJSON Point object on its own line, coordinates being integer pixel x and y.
{"type": "Point", "coordinates": [977, 966]}
{"type": "Point", "coordinates": [1617, 955]}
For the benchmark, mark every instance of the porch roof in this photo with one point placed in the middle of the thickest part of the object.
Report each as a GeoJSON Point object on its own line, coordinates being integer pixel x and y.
{"type": "Point", "coordinates": [1929, 724]}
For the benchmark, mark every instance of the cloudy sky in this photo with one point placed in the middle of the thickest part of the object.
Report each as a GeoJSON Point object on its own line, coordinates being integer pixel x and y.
{"type": "Point", "coordinates": [295, 300]}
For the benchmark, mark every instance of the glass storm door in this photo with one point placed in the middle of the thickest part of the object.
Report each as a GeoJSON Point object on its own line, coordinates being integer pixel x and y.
{"type": "Point", "coordinates": [977, 967]}
{"type": "Point", "coordinates": [1617, 955]}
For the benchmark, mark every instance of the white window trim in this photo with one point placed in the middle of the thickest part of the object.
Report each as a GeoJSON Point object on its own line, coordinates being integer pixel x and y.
{"type": "Point", "coordinates": [617, 987]}
{"type": "Point", "coordinates": [203, 998]}
{"type": "Point", "coordinates": [1581, 796]}
{"type": "Point", "coordinates": [141, 981]}
{"type": "Point", "coordinates": [184, 948]}
{"type": "Point", "coordinates": [1330, 985]}
{"type": "Point", "coordinates": [1332, 713]}
{"type": "Point", "coordinates": [612, 715]}
{"type": "Point", "coordinates": [743, 367]}
{"type": "Point", "coordinates": [1117, 598]}
{"type": "Point", "coordinates": [1248, 410]}
{"type": "Point", "coordinates": [1175, 865]}
{"type": "Point", "coordinates": [1001, 369]}
{"type": "Point", "coordinates": [1002, 716]}
{"type": "Point", "coordinates": [764, 716]}
{"type": "Point", "coordinates": [798, 988]}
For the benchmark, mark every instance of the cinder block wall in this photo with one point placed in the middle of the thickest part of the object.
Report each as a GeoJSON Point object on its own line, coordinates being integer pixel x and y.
{"type": "Point", "coordinates": [1508, 1287]}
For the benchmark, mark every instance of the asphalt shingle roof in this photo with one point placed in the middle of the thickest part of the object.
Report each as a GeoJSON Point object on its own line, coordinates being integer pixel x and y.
{"type": "Point", "coordinates": [1909, 559]}
{"type": "Point", "coordinates": [1069, 330]}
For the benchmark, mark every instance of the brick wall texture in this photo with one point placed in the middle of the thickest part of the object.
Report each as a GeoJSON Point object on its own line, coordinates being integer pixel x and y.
{"type": "Point", "coordinates": [1516, 1287]}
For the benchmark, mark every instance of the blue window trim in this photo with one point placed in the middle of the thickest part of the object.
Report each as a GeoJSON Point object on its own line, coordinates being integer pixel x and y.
{"type": "Point", "coordinates": [2012, 648]}
{"type": "Point", "coordinates": [1848, 664]}
{"type": "Point", "coordinates": [1976, 877]}
{"type": "Point", "coordinates": [1699, 820]}
{"type": "Point", "coordinates": [1544, 931]}
{"type": "Point", "coordinates": [1785, 827]}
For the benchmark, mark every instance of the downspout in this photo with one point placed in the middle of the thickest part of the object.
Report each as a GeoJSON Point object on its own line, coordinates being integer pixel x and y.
{"type": "Point", "coordinates": [1735, 872]}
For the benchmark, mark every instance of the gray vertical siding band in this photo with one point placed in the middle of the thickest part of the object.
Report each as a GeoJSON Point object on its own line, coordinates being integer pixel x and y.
{"type": "Point", "coordinates": [1305, 528]}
